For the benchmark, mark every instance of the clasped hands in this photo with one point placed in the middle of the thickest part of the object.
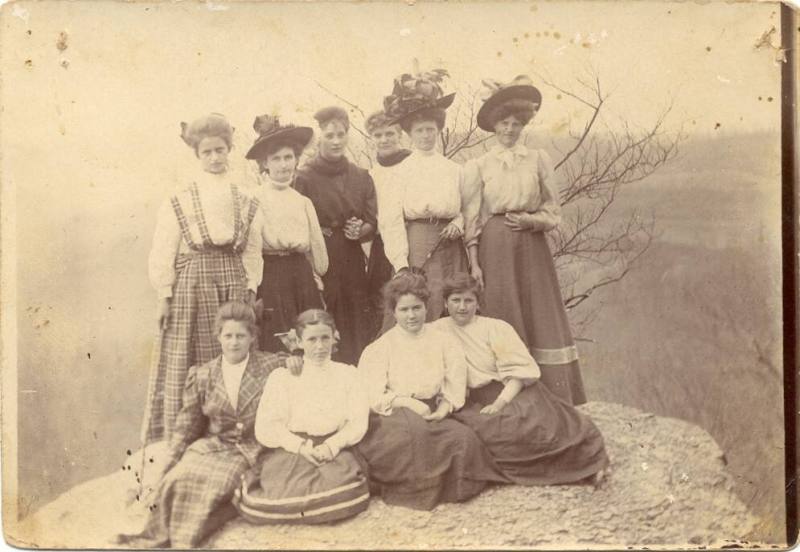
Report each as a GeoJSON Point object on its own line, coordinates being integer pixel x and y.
{"type": "Point", "coordinates": [521, 221]}
{"type": "Point", "coordinates": [317, 455]}
{"type": "Point", "coordinates": [354, 228]}
{"type": "Point", "coordinates": [415, 405]}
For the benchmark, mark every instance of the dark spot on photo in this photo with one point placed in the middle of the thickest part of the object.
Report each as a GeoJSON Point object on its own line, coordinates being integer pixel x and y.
{"type": "Point", "coordinates": [716, 126]}
{"type": "Point", "coordinates": [769, 99]}
{"type": "Point", "coordinates": [708, 48]}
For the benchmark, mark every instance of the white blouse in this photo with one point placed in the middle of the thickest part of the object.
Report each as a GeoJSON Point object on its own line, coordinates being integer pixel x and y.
{"type": "Point", "coordinates": [493, 349]}
{"type": "Point", "coordinates": [216, 201]}
{"type": "Point", "coordinates": [290, 223]}
{"type": "Point", "coordinates": [323, 399]}
{"type": "Point", "coordinates": [507, 180]}
{"type": "Point", "coordinates": [391, 224]}
{"type": "Point", "coordinates": [232, 376]}
{"type": "Point", "coordinates": [426, 185]}
{"type": "Point", "coordinates": [421, 366]}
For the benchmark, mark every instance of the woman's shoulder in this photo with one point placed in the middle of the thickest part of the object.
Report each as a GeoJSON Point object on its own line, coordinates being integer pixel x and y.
{"type": "Point", "coordinates": [347, 370]}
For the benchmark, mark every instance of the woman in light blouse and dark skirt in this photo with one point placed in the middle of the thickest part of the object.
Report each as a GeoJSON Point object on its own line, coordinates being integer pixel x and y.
{"type": "Point", "coordinates": [295, 258]}
{"type": "Point", "coordinates": [511, 201]}
{"type": "Point", "coordinates": [535, 437]}
{"type": "Point", "coordinates": [418, 455]}
{"type": "Point", "coordinates": [310, 419]}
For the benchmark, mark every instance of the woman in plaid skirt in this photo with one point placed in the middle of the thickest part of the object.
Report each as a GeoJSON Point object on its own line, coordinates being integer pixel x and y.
{"type": "Point", "coordinates": [203, 255]}
{"type": "Point", "coordinates": [212, 443]}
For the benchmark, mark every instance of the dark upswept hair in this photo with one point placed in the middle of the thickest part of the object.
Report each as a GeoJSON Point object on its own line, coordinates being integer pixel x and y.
{"type": "Point", "coordinates": [522, 110]}
{"type": "Point", "coordinates": [237, 311]}
{"type": "Point", "coordinates": [411, 282]}
{"type": "Point", "coordinates": [312, 317]}
{"type": "Point", "coordinates": [332, 113]}
{"type": "Point", "coordinates": [435, 114]}
{"type": "Point", "coordinates": [276, 145]}
{"type": "Point", "coordinates": [213, 125]}
{"type": "Point", "coordinates": [460, 282]}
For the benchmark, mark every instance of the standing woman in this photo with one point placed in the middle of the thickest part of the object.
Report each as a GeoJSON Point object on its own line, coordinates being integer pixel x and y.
{"type": "Point", "coordinates": [418, 455]}
{"type": "Point", "coordinates": [294, 252]}
{"type": "Point", "coordinates": [344, 198]}
{"type": "Point", "coordinates": [204, 254]}
{"type": "Point", "coordinates": [426, 225]}
{"type": "Point", "coordinates": [512, 200]}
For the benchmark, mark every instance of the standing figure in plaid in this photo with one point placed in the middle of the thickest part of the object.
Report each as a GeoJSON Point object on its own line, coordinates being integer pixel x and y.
{"type": "Point", "coordinates": [212, 443]}
{"type": "Point", "coordinates": [204, 254]}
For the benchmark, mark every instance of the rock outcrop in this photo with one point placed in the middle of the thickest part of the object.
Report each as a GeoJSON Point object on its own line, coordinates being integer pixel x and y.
{"type": "Point", "coordinates": [668, 486]}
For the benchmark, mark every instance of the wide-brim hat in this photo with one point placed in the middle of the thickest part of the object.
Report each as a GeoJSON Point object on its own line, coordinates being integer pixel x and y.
{"type": "Point", "coordinates": [270, 130]}
{"type": "Point", "coordinates": [442, 103]}
{"type": "Point", "coordinates": [521, 88]}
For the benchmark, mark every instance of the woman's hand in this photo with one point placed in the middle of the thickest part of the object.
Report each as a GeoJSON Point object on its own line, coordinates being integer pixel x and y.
{"type": "Point", "coordinates": [451, 232]}
{"type": "Point", "coordinates": [322, 453]}
{"type": "Point", "coordinates": [412, 404]}
{"type": "Point", "coordinates": [258, 308]}
{"type": "Point", "coordinates": [250, 298]}
{"type": "Point", "coordinates": [477, 273]}
{"type": "Point", "coordinates": [295, 365]}
{"type": "Point", "coordinates": [442, 410]}
{"type": "Point", "coordinates": [307, 451]}
{"type": "Point", "coordinates": [519, 222]}
{"type": "Point", "coordinates": [495, 407]}
{"type": "Point", "coordinates": [352, 228]}
{"type": "Point", "coordinates": [162, 314]}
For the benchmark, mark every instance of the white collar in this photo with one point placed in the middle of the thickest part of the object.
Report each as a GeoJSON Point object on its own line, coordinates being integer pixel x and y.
{"type": "Point", "coordinates": [238, 366]}
{"type": "Point", "coordinates": [517, 149]}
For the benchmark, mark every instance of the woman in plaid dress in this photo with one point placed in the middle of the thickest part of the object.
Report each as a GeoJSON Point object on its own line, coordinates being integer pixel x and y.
{"type": "Point", "coordinates": [203, 255]}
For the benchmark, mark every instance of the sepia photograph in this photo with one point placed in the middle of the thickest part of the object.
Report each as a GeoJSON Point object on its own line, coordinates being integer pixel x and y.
{"type": "Point", "coordinates": [397, 275]}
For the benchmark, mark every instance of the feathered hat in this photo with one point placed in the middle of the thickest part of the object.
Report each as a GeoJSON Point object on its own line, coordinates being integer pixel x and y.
{"type": "Point", "coordinates": [497, 93]}
{"type": "Point", "coordinates": [269, 130]}
{"type": "Point", "coordinates": [415, 93]}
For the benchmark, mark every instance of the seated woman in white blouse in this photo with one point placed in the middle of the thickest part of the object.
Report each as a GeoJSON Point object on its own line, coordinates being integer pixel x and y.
{"type": "Point", "coordinates": [310, 419]}
{"type": "Point", "coordinates": [536, 437]}
{"type": "Point", "coordinates": [418, 456]}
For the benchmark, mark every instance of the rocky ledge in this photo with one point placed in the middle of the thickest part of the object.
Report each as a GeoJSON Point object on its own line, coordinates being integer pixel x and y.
{"type": "Point", "coordinates": [668, 486]}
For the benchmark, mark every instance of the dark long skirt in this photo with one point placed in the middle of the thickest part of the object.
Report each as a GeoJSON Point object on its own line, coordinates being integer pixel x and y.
{"type": "Point", "coordinates": [286, 290]}
{"type": "Point", "coordinates": [536, 439]}
{"type": "Point", "coordinates": [522, 289]}
{"type": "Point", "coordinates": [293, 490]}
{"type": "Point", "coordinates": [347, 297]}
{"type": "Point", "coordinates": [379, 271]}
{"type": "Point", "coordinates": [446, 259]}
{"type": "Point", "coordinates": [418, 464]}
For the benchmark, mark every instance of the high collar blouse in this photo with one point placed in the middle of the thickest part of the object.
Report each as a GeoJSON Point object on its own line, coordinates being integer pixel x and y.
{"type": "Point", "coordinates": [422, 366]}
{"type": "Point", "coordinates": [510, 180]}
{"type": "Point", "coordinates": [290, 223]}
{"type": "Point", "coordinates": [493, 350]}
{"type": "Point", "coordinates": [217, 211]}
{"type": "Point", "coordinates": [325, 399]}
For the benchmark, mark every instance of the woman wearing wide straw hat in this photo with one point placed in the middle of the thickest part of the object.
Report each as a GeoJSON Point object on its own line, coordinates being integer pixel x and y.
{"type": "Point", "coordinates": [295, 258]}
{"type": "Point", "coordinates": [511, 201]}
{"type": "Point", "coordinates": [425, 227]}
{"type": "Point", "coordinates": [344, 198]}
{"type": "Point", "coordinates": [203, 255]}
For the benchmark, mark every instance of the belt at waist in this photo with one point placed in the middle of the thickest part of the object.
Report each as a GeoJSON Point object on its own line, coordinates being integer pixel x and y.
{"type": "Point", "coordinates": [431, 220]}
{"type": "Point", "coordinates": [280, 252]}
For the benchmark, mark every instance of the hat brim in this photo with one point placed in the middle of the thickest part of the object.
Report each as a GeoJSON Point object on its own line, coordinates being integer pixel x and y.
{"type": "Point", "coordinates": [519, 92]}
{"type": "Point", "coordinates": [299, 135]}
{"type": "Point", "coordinates": [442, 103]}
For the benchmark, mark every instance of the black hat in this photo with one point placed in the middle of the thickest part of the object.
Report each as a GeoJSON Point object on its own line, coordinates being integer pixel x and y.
{"type": "Point", "coordinates": [521, 88]}
{"type": "Point", "coordinates": [415, 93]}
{"type": "Point", "coordinates": [269, 129]}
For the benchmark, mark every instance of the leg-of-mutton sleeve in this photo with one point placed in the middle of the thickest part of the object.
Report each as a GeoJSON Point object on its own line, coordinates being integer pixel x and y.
{"type": "Point", "coordinates": [355, 426]}
{"type": "Point", "coordinates": [374, 367]}
{"type": "Point", "coordinates": [512, 357]}
{"type": "Point", "coordinates": [391, 224]}
{"type": "Point", "coordinates": [252, 260]}
{"type": "Point", "coordinates": [272, 417]}
{"type": "Point", "coordinates": [454, 386]}
{"type": "Point", "coordinates": [548, 215]}
{"type": "Point", "coordinates": [191, 423]}
{"type": "Point", "coordinates": [317, 249]}
{"type": "Point", "coordinates": [471, 199]}
{"type": "Point", "coordinates": [166, 244]}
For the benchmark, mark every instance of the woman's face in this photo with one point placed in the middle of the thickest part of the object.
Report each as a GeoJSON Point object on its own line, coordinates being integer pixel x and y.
{"type": "Point", "coordinates": [236, 339]}
{"type": "Point", "coordinates": [462, 307]}
{"type": "Point", "coordinates": [213, 154]}
{"type": "Point", "coordinates": [508, 131]}
{"type": "Point", "coordinates": [333, 140]}
{"type": "Point", "coordinates": [281, 165]}
{"type": "Point", "coordinates": [410, 313]}
{"type": "Point", "coordinates": [317, 342]}
{"type": "Point", "coordinates": [387, 140]}
{"type": "Point", "coordinates": [423, 134]}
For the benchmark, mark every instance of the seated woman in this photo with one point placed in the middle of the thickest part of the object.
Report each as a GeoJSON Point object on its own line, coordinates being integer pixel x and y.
{"type": "Point", "coordinates": [416, 375]}
{"type": "Point", "coordinates": [310, 417]}
{"type": "Point", "coordinates": [536, 437]}
{"type": "Point", "coordinates": [213, 443]}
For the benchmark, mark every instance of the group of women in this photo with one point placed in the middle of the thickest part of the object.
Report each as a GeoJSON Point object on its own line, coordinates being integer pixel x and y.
{"type": "Point", "coordinates": [384, 271]}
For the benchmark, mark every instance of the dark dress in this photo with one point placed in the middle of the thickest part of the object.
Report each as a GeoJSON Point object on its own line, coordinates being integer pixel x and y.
{"type": "Point", "coordinates": [340, 190]}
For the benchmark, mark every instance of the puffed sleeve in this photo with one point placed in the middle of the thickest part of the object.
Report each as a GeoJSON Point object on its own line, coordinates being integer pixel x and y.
{"type": "Point", "coordinates": [166, 244]}
{"type": "Point", "coordinates": [391, 223]}
{"type": "Point", "coordinates": [471, 196]}
{"type": "Point", "coordinates": [458, 221]}
{"type": "Point", "coordinates": [454, 387]}
{"type": "Point", "coordinates": [317, 249]}
{"type": "Point", "coordinates": [252, 259]}
{"type": "Point", "coordinates": [374, 367]}
{"type": "Point", "coordinates": [357, 406]}
{"type": "Point", "coordinates": [513, 360]}
{"type": "Point", "coordinates": [272, 416]}
{"type": "Point", "coordinates": [548, 215]}
{"type": "Point", "coordinates": [191, 423]}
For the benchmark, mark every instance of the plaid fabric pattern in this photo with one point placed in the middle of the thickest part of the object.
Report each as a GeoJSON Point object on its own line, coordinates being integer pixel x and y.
{"type": "Point", "coordinates": [212, 446]}
{"type": "Point", "coordinates": [207, 278]}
